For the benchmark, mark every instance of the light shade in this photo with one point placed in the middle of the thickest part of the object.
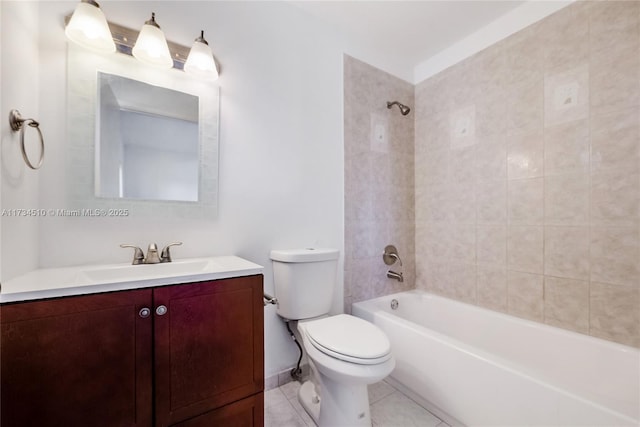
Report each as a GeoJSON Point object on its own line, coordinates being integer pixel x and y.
{"type": "Point", "coordinates": [88, 27]}
{"type": "Point", "coordinates": [151, 46]}
{"type": "Point", "coordinates": [200, 62]}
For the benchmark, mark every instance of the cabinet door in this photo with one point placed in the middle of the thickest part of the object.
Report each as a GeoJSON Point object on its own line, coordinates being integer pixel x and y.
{"type": "Point", "coordinates": [248, 412]}
{"type": "Point", "coordinates": [77, 361]}
{"type": "Point", "coordinates": [208, 346]}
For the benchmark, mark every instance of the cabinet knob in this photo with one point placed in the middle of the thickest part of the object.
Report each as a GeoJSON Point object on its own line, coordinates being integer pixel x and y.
{"type": "Point", "coordinates": [161, 310]}
{"type": "Point", "coordinates": [144, 312]}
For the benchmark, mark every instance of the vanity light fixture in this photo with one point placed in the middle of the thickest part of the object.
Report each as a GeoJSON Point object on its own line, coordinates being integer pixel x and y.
{"type": "Point", "coordinates": [88, 27]}
{"type": "Point", "coordinates": [151, 45]}
{"type": "Point", "coordinates": [200, 62]}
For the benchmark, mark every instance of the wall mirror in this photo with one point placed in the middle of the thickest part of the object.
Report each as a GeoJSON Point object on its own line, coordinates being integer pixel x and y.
{"type": "Point", "coordinates": [146, 141]}
{"type": "Point", "coordinates": [140, 138]}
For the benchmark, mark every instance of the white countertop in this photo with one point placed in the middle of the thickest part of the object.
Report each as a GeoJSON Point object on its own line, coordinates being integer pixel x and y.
{"type": "Point", "coordinates": [90, 279]}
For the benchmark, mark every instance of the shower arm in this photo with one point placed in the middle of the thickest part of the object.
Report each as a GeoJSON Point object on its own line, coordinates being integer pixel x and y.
{"type": "Point", "coordinates": [404, 110]}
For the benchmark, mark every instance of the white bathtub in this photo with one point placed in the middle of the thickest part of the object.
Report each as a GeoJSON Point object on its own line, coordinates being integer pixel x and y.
{"type": "Point", "coordinates": [483, 368]}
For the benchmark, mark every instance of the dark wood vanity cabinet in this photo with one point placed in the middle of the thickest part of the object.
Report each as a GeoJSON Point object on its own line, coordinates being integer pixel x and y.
{"type": "Point", "coordinates": [187, 355]}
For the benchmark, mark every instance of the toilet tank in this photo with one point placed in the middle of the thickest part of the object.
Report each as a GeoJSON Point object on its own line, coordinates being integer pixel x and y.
{"type": "Point", "coordinates": [304, 281]}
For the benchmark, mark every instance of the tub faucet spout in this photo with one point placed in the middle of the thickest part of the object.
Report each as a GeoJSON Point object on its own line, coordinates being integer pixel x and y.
{"type": "Point", "coordinates": [393, 275]}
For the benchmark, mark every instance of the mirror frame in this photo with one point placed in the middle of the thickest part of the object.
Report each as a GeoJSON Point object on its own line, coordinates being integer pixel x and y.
{"type": "Point", "coordinates": [82, 94]}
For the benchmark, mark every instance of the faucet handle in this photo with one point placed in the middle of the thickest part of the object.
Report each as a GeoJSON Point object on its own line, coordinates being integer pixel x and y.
{"type": "Point", "coordinates": [138, 255]}
{"type": "Point", "coordinates": [165, 256]}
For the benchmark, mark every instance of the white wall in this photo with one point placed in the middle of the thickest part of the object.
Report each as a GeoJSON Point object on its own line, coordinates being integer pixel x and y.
{"type": "Point", "coordinates": [19, 188]}
{"type": "Point", "coordinates": [281, 151]}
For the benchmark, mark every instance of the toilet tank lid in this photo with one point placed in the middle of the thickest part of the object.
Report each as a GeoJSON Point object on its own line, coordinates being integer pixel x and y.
{"type": "Point", "coordinates": [304, 255]}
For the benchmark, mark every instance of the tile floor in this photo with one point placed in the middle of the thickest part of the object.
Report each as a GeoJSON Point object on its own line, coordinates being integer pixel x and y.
{"type": "Point", "coordinates": [389, 408]}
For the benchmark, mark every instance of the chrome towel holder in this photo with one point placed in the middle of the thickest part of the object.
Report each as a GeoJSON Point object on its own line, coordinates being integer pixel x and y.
{"type": "Point", "coordinates": [17, 124]}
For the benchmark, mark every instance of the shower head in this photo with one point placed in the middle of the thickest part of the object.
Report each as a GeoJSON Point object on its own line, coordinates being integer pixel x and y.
{"type": "Point", "coordinates": [403, 108]}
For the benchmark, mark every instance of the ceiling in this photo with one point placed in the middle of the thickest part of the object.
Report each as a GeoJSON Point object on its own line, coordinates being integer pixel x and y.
{"type": "Point", "coordinates": [407, 31]}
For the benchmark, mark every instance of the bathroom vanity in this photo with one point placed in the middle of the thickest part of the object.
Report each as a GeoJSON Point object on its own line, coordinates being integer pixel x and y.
{"type": "Point", "coordinates": [186, 354]}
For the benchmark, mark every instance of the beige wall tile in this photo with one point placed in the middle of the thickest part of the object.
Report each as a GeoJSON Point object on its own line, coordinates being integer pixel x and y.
{"type": "Point", "coordinates": [565, 37]}
{"type": "Point", "coordinates": [615, 255]}
{"type": "Point", "coordinates": [491, 245]}
{"type": "Point", "coordinates": [433, 242]}
{"type": "Point", "coordinates": [462, 242]}
{"type": "Point", "coordinates": [463, 202]}
{"type": "Point", "coordinates": [566, 252]}
{"type": "Point", "coordinates": [433, 169]}
{"type": "Point", "coordinates": [525, 106]}
{"type": "Point", "coordinates": [435, 277]}
{"type": "Point", "coordinates": [525, 155]}
{"type": "Point", "coordinates": [462, 165]}
{"type": "Point", "coordinates": [613, 79]}
{"type": "Point", "coordinates": [612, 25]}
{"type": "Point", "coordinates": [546, 189]}
{"type": "Point", "coordinates": [566, 199]}
{"type": "Point", "coordinates": [615, 197]}
{"type": "Point", "coordinates": [462, 282]}
{"type": "Point", "coordinates": [433, 203]}
{"type": "Point", "coordinates": [525, 248]}
{"type": "Point", "coordinates": [491, 285]}
{"type": "Point", "coordinates": [566, 303]}
{"type": "Point", "coordinates": [462, 129]}
{"type": "Point", "coordinates": [566, 148]}
{"type": "Point", "coordinates": [491, 110]}
{"type": "Point", "coordinates": [490, 70]}
{"type": "Point", "coordinates": [491, 155]}
{"type": "Point", "coordinates": [525, 55]}
{"type": "Point", "coordinates": [566, 95]}
{"type": "Point", "coordinates": [379, 183]}
{"type": "Point", "coordinates": [615, 140]}
{"type": "Point", "coordinates": [525, 201]}
{"type": "Point", "coordinates": [432, 132]}
{"type": "Point", "coordinates": [491, 202]}
{"type": "Point", "coordinates": [615, 313]}
{"type": "Point", "coordinates": [525, 295]}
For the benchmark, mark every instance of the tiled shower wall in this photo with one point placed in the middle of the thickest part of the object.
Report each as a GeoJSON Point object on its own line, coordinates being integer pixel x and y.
{"type": "Point", "coordinates": [379, 190]}
{"type": "Point", "coordinates": [527, 174]}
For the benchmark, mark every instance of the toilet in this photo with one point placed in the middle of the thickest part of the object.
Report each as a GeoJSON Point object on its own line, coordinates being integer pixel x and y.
{"type": "Point", "coordinates": [345, 353]}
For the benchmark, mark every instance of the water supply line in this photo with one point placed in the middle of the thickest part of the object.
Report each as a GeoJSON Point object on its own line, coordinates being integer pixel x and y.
{"type": "Point", "coordinates": [296, 373]}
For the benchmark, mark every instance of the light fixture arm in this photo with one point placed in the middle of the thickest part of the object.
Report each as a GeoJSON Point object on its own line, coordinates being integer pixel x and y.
{"type": "Point", "coordinates": [152, 21]}
{"type": "Point", "coordinates": [201, 39]}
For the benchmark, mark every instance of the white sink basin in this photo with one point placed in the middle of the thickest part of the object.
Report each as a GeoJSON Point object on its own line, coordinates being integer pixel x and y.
{"type": "Point", "coordinates": [118, 273]}
{"type": "Point", "coordinates": [87, 279]}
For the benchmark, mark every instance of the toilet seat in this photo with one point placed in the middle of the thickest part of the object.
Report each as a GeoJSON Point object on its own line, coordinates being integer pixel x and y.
{"type": "Point", "coordinates": [349, 338]}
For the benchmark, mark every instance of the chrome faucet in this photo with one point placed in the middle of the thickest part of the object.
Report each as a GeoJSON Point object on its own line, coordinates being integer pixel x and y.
{"type": "Point", "coordinates": [152, 254]}
{"type": "Point", "coordinates": [393, 275]}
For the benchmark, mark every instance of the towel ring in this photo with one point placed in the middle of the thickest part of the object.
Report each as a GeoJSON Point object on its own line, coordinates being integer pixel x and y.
{"type": "Point", "coordinates": [17, 124]}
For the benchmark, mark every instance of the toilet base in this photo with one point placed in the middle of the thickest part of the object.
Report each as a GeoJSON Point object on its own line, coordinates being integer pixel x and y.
{"type": "Point", "coordinates": [310, 400]}
{"type": "Point", "coordinates": [339, 406]}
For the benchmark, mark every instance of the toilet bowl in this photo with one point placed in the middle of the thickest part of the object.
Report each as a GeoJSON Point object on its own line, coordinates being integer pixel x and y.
{"type": "Point", "coordinates": [345, 353]}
